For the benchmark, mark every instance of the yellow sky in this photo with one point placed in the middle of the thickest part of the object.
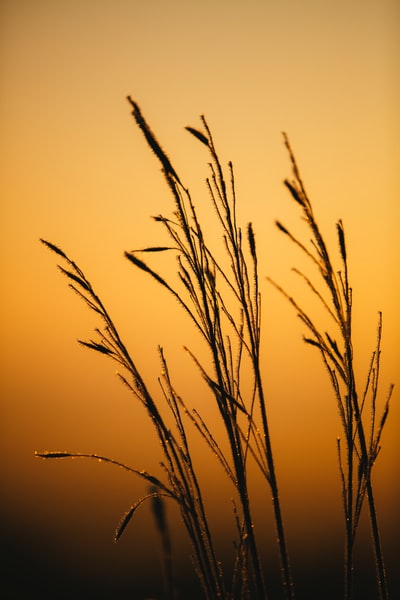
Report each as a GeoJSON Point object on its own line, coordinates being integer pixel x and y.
{"type": "Point", "coordinates": [75, 170]}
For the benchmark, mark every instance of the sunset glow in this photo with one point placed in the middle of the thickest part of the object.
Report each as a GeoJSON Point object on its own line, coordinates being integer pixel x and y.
{"type": "Point", "coordinates": [77, 171]}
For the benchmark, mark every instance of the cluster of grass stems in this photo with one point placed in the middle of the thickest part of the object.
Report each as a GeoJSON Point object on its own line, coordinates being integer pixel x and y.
{"type": "Point", "coordinates": [224, 304]}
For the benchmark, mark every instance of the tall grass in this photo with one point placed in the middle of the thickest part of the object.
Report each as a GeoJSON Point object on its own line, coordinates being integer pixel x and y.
{"type": "Point", "coordinates": [224, 304]}
{"type": "Point", "coordinates": [362, 427]}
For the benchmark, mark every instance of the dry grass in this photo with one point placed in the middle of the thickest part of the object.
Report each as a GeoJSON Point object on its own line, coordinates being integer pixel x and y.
{"type": "Point", "coordinates": [362, 427]}
{"type": "Point", "coordinates": [225, 306]}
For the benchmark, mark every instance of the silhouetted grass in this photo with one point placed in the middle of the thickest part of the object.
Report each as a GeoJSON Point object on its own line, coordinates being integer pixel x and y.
{"type": "Point", "coordinates": [362, 427]}
{"type": "Point", "coordinates": [225, 306]}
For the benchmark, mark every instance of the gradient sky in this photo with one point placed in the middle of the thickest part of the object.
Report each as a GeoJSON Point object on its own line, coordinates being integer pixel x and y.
{"type": "Point", "coordinates": [75, 170]}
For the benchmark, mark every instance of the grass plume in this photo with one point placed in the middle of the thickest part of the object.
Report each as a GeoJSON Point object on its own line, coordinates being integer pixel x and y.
{"type": "Point", "coordinates": [361, 440]}
{"type": "Point", "coordinates": [224, 304]}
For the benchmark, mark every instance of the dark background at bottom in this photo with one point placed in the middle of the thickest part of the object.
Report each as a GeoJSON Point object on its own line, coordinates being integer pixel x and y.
{"type": "Point", "coordinates": [24, 577]}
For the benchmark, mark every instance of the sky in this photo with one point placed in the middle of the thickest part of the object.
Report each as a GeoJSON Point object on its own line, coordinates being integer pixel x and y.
{"type": "Point", "coordinates": [76, 170]}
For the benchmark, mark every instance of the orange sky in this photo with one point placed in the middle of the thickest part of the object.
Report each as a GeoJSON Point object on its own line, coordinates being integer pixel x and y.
{"type": "Point", "coordinates": [75, 170]}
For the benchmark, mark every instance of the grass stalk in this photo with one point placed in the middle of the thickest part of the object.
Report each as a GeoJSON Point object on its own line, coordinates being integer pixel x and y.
{"type": "Point", "coordinates": [338, 357]}
{"type": "Point", "coordinates": [199, 272]}
{"type": "Point", "coordinates": [181, 485]}
{"type": "Point", "coordinates": [225, 307]}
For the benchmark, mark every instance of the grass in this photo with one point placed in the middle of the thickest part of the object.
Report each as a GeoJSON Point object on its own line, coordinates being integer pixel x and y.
{"type": "Point", "coordinates": [362, 427]}
{"type": "Point", "coordinates": [224, 304]}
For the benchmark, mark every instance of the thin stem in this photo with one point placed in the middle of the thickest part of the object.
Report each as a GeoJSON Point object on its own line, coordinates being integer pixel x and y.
{"type": "Point", "coordinates": [340, 365]}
